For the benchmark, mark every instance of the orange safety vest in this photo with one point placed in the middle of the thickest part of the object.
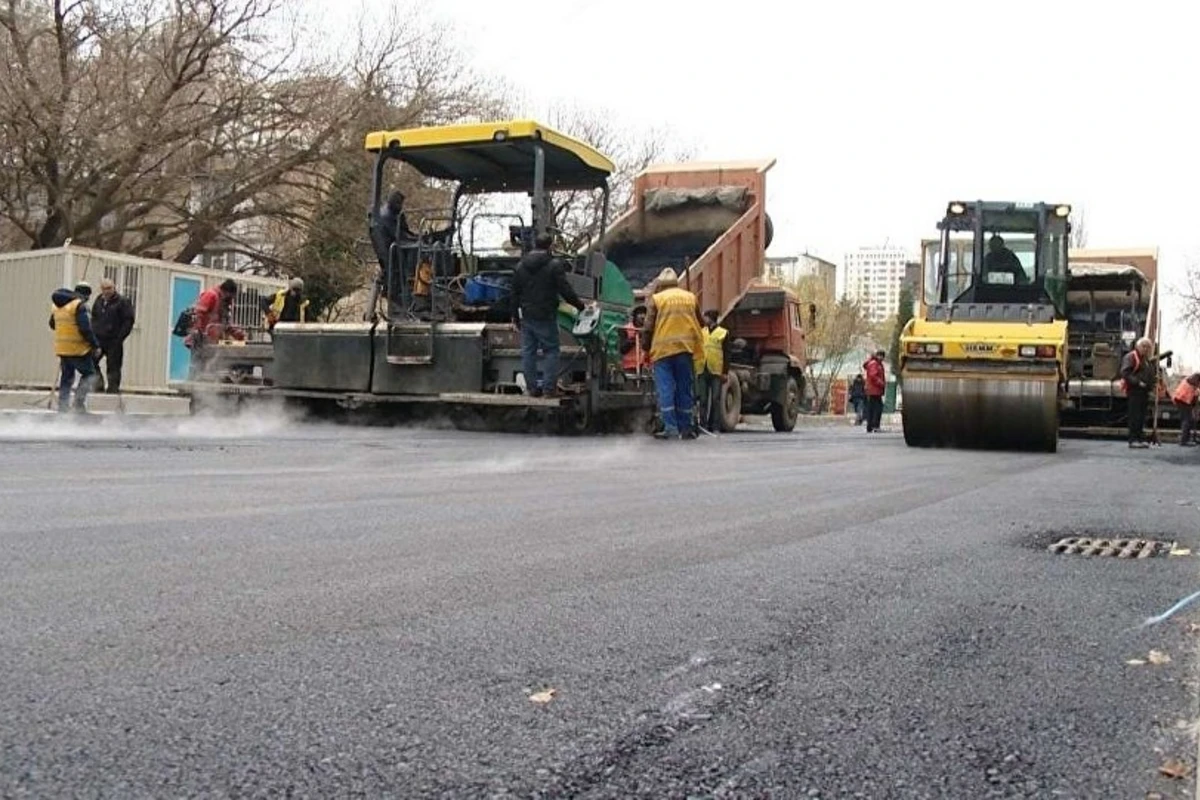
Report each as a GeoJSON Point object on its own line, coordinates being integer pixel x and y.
{"type": "Point", "coordinates": [1137, 364]}
{"type": "Point", "coordinates": [1185, 394]}
{"type": "Point", "coordinates": [636, 357]}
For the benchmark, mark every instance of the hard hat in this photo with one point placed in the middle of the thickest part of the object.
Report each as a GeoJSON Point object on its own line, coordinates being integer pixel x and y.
{"type": "Point", "coordinates": [83, 288]}
{"type": "Point", "coordinates": [667, 277]}
{"type": "Point", "coordinates": [296, 283]}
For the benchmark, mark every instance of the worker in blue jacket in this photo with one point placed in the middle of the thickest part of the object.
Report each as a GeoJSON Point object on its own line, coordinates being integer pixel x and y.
{"type": "Point", "coordinates": [75, 344]}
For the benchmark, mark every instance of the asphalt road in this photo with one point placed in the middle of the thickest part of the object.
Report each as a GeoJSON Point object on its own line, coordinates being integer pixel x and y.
{"type": "Point", "coordinates": [254, 609]}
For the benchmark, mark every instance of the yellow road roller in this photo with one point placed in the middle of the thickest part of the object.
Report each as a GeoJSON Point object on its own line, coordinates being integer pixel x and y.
{"type": "Point", "coordinates": [983, 363]}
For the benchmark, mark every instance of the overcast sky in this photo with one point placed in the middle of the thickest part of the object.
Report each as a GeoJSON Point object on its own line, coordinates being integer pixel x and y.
{"type": "Point", "coordinates": [881, 112]}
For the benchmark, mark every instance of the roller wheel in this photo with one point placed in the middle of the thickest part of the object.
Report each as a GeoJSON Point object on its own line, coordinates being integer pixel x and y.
{"type": "Point", "coordinates": [769, 232]}
{"type": "Point", "coordinates": [731, 404]}
{"type": "Point", "coordinates": [784, 416]}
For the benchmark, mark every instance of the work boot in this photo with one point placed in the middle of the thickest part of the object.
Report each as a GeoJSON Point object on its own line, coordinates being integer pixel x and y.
{"type": "Point", "coordinates": [688, 435]}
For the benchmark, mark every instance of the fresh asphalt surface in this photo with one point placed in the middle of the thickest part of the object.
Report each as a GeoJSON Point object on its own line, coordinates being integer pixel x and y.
{"type": "Point", "coordinates": [250, 608]}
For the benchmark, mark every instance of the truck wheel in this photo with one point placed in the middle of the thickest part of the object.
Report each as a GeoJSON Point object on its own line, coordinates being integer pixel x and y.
{"type": "Point", "coordinates": [784, 416]}
{"type": "Point", "coordinates": [731, 404]}
{"type": "Point", "coordinates": [769, 232]}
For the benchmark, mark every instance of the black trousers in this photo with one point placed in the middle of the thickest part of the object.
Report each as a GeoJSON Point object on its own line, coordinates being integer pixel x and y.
{"type": "Point", "coordinates": [113, 354]}
{"type": "Point", "coordinates": [710, 401]}
{"type": "Point", "coordinates": [1139, 400]}
{"type": "Point", "coordinates": [1187, 422]}
{"type": "Point", "coordinates": [874, 412]}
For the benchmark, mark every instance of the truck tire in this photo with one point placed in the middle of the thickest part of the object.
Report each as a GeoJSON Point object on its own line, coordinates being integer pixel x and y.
{"type": "Point", "coordinates": [731, 404]}
{"type": "Point", "coordinates": [784, 415]}
{"type": "Point", "coordinates": [769, 233]}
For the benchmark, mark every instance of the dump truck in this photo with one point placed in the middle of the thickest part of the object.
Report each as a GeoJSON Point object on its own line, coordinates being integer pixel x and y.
{"type": "Point", "coordinates": [984, 362]}
{"type": "Point", "coordinates": [439, 336]}
{"type": "Point", "coordinates": [708, 222]}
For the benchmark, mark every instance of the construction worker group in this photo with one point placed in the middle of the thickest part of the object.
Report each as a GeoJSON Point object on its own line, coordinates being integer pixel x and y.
{"type": "Point", "coordinates": [84, 337]}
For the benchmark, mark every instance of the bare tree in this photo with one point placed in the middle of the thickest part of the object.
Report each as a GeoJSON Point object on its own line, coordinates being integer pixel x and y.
{"type": "Point", "coordinates": [169, 127]}
{"type": "Point", "coordinates": [1079, 231]}
{"type": "Point", "coordinates": [1189, 293]}
{"type": "Point", "coordinates": [577, 214]}
{"type": "Point", "coordinates": [840, 327]}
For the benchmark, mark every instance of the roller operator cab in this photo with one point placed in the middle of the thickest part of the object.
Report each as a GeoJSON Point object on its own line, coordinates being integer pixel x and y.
{"type": "Point", "coordinates": [983, 362]}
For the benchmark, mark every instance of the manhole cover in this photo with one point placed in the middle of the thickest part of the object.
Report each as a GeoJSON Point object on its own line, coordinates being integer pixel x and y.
{"type": "Point", "coordinates": [1119, 548]}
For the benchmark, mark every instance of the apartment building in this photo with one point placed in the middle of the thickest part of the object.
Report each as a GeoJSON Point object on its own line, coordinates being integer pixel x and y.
{"type": "Point", "coordinates": [873, 276]}
{"type": "Point", "coordinates": [793, 269]}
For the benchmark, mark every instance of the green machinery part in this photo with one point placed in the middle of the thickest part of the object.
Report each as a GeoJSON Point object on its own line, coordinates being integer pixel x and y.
{"type": "Point", "coordinates": [616, 303]}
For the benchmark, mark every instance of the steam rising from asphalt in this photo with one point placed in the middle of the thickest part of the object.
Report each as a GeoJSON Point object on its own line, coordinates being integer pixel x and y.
{"type": "Point", "coordinates": [429, 444]}
{"type": "Point", "coordinates": [35, 426]}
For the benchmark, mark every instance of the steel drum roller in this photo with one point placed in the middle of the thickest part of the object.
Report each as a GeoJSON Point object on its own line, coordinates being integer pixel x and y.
{"type": "Point", "coordinates": [981, 410]}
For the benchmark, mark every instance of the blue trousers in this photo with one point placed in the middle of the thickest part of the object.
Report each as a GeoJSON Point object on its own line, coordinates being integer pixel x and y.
{"type": "Point", "coordinates": [86, 367]}
{"type": "Point", "coordinates": [673, 378]}
{"type": "Point", "coordinates": [539, 335]}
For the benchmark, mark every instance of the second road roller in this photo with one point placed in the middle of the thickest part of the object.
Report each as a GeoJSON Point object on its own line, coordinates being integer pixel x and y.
{"type": "Point", "coordinates": [983, 364]}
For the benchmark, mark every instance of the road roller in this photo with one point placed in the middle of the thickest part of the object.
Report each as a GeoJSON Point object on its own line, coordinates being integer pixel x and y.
{"type": "Point", "coordinates": [983, 363]}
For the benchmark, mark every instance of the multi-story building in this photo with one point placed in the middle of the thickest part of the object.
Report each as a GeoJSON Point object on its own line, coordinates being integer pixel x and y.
{"type": "Point", "coordinates": [793, 269]}
{"type": "Point", "coordinates": [873, 279]}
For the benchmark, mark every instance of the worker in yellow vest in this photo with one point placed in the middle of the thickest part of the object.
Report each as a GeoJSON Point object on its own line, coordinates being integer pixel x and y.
{"type": "Point", "coordinates": [287, 305]}
{"type": "Point", "coordinates": [674, 341]}
{"type": "Point", "coordinates": [75, 345]}
{"type": "Point", "coordinates": [712, 371]}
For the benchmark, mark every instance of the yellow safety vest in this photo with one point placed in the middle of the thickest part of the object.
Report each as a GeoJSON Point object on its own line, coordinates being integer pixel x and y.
{"type": "Point", "coordinates": [68, 339]}
{"type": "Point", "coordinates": [714, 354]}
{"type": "Point", "coordinates": [676, 329]}
{"type": "Point", "coordinates": [277, 305]}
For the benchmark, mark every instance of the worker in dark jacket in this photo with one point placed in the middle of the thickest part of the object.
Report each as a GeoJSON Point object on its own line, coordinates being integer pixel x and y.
{"type": "Point", "coordinates": [539, 282]}
{"type": "Point", "coordinates": [75, 344]}
{"type": "Point", "coordinates": [858, 398]}
{"type": "Point", "coordinates": [1139, 373]}
{"type": "Point", "coordinates": [112, 321]}
{"type": "Point", "coordinates": [286, 305]}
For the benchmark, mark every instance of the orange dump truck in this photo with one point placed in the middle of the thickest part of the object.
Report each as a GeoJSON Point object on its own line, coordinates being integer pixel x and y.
{"type": "Point", "coordinates": [708, 222]}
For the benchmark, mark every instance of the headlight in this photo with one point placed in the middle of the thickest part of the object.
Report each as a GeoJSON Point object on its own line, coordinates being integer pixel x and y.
{"type": "Point", "coordinates": [923, 348]}
{"type": "Point", "coordinates": [1037, 351]}
{"type": "Point", "coordinates": [1063, 211]}
{"type": "Point", "coordinates": [957, 208]}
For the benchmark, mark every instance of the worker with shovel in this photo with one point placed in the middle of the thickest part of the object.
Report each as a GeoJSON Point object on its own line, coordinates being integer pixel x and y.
{"type": "Point", "coordinates": [1138, 374]}
{"type": "Point", "coordinates": [1184, 397]}
{"type": "Point", "coordinates": [675, 341]}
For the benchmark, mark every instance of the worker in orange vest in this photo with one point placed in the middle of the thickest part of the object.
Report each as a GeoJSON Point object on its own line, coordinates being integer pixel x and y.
{"type": "Point", "coordinates": [1185, 396]}
{"type": "Point", "coordinates": [634, 357]}
{"type": "Point", "coordinates": [1138, 376]}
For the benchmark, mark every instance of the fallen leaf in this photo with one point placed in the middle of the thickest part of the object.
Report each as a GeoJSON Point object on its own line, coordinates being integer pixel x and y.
{"type": "Point", "coordinates": [1136, 662]}
{"type": "Point", "coordinates": [1174, 768]}
{"type": "Point", "coordinates": [1180, 551]}
{"type": "Point", "coordinates": [543, 697]}
{"type": "Point", "coordinates": [1157, 657]}
{"type": "Point", "coordinates": [1155, 796]}
{"type": "Point", "coordinates": [1193, 627]}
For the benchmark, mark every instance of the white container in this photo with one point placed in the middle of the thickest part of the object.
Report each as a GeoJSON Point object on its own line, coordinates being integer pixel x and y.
{"type": "Point", "coordinates": [159, 291]}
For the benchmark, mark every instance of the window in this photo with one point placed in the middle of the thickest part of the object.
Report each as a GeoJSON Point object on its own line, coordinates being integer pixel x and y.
{"type": "Point", "coordinates": [127, 277]}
